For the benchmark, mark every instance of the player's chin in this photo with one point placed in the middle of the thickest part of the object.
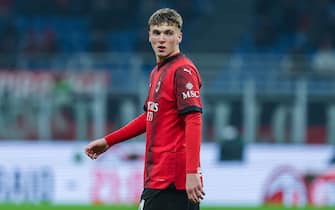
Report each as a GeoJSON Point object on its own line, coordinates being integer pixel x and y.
{"type": "Point", "coordinates": [161, 53]}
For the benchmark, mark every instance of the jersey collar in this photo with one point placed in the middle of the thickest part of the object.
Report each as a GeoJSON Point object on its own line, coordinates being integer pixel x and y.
{"type": "Point", "coordinates": [167, 60]}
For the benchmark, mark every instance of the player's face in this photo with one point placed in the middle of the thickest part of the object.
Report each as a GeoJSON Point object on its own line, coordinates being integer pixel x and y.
{"type": "Point", "coordinates": [164, 40]}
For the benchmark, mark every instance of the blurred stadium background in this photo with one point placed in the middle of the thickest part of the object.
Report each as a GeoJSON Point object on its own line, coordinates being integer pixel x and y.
{"type": "Point", "coordinates": [73, 70]}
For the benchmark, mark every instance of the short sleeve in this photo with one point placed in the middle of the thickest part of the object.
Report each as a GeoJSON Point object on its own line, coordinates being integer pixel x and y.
{"type": "Point", "coordinates": [187, 90]}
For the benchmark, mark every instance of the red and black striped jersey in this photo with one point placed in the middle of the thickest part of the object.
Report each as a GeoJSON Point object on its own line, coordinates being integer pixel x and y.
{"type": "Point", "coordinates": [174, 91]}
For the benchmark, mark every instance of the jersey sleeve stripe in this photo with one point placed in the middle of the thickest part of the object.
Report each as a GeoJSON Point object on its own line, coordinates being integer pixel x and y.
{"type": "Point", "coordinates": [190, 109]}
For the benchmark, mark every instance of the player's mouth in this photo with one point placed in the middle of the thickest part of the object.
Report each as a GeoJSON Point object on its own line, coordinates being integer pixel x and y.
{"type": "Point", "coordinates": [161, 48]}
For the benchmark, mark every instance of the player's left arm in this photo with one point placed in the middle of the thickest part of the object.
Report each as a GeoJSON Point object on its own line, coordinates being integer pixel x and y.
{"type": "Point", "coordinates": [194, 185]}
{"type": "Point", "coordinates": [187, 87]}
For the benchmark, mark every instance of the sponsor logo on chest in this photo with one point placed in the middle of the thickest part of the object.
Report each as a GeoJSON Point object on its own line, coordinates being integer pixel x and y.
{"type": "Point", "coordinates": [152, 107]}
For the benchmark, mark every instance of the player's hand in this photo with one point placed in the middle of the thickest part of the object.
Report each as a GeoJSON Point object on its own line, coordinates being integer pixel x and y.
{"type": "Point", "coordinates": [96, 148]}
{"type": "Point", "coordinates": [194, 188]}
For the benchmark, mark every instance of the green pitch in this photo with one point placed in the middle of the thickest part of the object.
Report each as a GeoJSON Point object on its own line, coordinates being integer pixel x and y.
{"type": "Point", "coordinates": [101, 207]}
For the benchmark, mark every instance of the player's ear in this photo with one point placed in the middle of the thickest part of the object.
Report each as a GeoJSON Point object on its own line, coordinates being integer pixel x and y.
{"type": "Point", "coordinates": [180, 36]}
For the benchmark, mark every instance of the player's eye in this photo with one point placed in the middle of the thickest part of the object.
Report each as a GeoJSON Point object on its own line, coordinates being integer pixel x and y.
{"type": "Point", "coordinates": [155, 32]}
{"type": "Point", "coordinates": [168, 32]}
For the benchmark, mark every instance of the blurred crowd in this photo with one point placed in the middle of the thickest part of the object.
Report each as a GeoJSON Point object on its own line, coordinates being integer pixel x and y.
{"type": "Point", "coordinates": [38, 26]}
{"type": "Point", "coordinates": [43, 29]}
{"type": "Point", "coordinates": [63, 26]}
{"type": "Point", "coordinates": [284, 26]}
{"type": "Point", "coordinates": [303, 29]}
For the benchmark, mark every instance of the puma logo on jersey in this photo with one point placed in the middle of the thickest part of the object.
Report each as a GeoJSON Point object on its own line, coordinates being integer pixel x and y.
{"type": "Point", "coordinates": [188, 71]}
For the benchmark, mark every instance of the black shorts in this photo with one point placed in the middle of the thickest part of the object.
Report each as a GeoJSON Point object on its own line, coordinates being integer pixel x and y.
{"type": "Point", "coordinates": [167, 199]}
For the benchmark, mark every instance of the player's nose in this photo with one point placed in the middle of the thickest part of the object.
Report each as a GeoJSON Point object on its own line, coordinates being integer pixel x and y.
{"type": "Point", "coordinates": [161, 38]}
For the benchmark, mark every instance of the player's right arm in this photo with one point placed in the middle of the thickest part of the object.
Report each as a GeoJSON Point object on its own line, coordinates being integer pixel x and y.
{"type": "Point", "coordinates": [132, 129]}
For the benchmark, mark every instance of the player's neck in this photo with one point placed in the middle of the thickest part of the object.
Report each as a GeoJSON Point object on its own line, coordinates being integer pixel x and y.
{"type": "Point", "coordinates": [160, 60]}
